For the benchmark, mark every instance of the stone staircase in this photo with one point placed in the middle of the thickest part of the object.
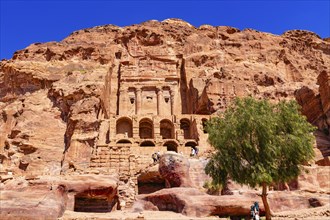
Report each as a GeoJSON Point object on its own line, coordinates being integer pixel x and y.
{"type": "Point", "coordinates": [116, 159]}
{"type": "Point", "coordinates": [101, 159]}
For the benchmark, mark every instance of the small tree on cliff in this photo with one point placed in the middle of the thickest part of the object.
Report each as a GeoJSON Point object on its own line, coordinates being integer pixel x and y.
{"type": "Point", "coordinates": [259, 143]}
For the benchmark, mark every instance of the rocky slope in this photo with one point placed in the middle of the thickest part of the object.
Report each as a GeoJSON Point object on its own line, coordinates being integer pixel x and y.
{"type": "Point", "coordinates": [53, 95]}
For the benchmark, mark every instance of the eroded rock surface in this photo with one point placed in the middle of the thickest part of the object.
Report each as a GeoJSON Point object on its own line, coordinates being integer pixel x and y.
{"type": "Point", "coordinates": [47, 197]}
{"type": "Point", "coordinates": [174, 168]}
{"type": "Point", "coordinates": [315, 105]}
{"type": "Point", "coordinates": [192, 202]}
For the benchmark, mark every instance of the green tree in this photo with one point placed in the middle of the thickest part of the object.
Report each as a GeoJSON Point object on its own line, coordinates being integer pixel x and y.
{"type": "Point", "coordinates": [258, 143]}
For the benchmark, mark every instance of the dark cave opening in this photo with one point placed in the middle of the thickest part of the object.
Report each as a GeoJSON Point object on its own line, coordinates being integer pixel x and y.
{"type": "Point", "coordinates": [150, 182]}
{"type": "Point", "coordinates": [101, 200]}
{"type": "Point", "coordinates": [147, 188]}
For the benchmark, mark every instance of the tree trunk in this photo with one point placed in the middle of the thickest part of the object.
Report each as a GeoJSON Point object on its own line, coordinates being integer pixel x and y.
{"type": "Point", "coordinates": [265, 201]}
{"type": "Point", "coordinates": [225, 190]}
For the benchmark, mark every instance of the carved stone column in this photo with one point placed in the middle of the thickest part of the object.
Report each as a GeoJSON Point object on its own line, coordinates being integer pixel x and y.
{"type": "Point", "coordinates": [172, 93]}
{"type": "Point", "coordinates": [135, 125]}
{"type": "Point", "coordinates": [138, 100]}
{"type": "Point", "coordinates": [113, 128]}
{"type": "Point", "coordinates": [122, 101]}
{"type": "Point", "coordinates": [159, 99]}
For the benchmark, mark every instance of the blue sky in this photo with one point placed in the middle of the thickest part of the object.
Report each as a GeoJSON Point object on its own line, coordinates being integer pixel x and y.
{"type": "Point", "coordinates": [27, 22]}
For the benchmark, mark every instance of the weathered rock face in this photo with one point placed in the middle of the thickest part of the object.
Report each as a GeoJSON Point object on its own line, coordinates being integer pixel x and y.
{"type": "Point", "coordinates": [104, 99]}
{"type": "Point", "coordinates": [196, 172]}
{"type": "Point", "coordinates": [315, 105]}
{"type": "Point", "coordinates": [324, 82]}
{"type": "Point", "coordinates": [315, 179]}
{"type": "Point", "coordinates": [32, 136]}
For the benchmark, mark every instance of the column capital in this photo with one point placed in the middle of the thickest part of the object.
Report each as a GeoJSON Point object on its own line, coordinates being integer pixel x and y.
{"type": "Point", "coordinates": [172, 93]}
{"type": "Point", "coordinates": [159, 90]}
{"type": "Point", "coordinates": [123, 89]}
{"type": "Point", "coordinates": [138, 93]}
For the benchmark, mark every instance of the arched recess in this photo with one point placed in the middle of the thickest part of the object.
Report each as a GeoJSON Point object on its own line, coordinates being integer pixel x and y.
{"type": "Point", "coordinates": [96, 200]}
{"type": "Point", "coordinates": [204, 122]}
{"type": "Point", "coordinates": [148, 182]}
{"type": "Point", "coordinates": [124, 141]}
{"type": "Point", "coordinates": [124, 126]}
{"type": "Point", "coordinates": [171, 146]}
{"type": "Point", "coordinates": [166, 129]}
{"type": "Point", "coordinates": [146, 129]}
{"type": "Point", "coordinates": [147, 144]}
{"type": "Point", "coordinates": [185, 126]}
{"type": "Point", "coordinates": [192, 144]}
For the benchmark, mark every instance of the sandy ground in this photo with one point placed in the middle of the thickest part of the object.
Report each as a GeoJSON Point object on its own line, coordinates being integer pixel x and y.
{"type": "Point", "coordinates": [127, 215]}
{"type": "Point", "coordinates": [319, 213]}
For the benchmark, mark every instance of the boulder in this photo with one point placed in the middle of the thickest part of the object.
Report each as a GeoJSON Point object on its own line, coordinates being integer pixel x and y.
{"type": "Point", "coordinates": [192, 202]}
{"type": "Point", "coordinates": [174, 168]}
{"type": "Point", "coordinates": [149, 180]}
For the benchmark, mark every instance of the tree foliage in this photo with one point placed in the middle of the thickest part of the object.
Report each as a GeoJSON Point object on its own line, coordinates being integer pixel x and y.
{"type": "Point", "coordinates": [259, 143]}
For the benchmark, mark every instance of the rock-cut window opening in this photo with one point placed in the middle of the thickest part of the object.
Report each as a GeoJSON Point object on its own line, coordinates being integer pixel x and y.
{"type": "Point", "coordinates": [166, 129]}
{"type": "Point", "coordinates": [124, 126]}
{"type": "Point", "coordinates": [204, 123]}
{"type": "Point", "coordinates": [146, 129]}
{"type": "Point", "coordinates": [147, 144]}
{"type": "Point", "coordinates": [185, 126]}
{"type": "Point", "coordinates": [191, 144]}
{"type": "Point", "coordinates": [171, 146]}
{"type": "Point", "coordinates": [124, 141]}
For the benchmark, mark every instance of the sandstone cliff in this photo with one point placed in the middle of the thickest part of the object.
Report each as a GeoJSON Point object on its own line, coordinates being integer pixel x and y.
{"type": "Point", "coordinates": [105, 98]}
